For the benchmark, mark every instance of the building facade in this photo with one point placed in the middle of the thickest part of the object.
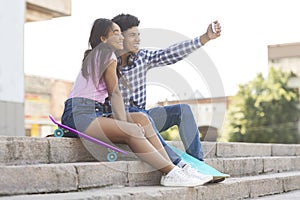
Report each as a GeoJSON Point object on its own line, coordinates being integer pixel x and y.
{"type": "Point", "coordinates": [14, 13]}
{"type": "Point", "coordinates": [287, 58]}
{"type": "Point", "coordinates": [43, 96]}
{"type": "Point", "coordinates": [209, 114]}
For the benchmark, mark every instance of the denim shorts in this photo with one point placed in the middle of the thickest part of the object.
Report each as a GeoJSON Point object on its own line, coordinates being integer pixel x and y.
{"type": "Point", "coordinates": [79, 112]}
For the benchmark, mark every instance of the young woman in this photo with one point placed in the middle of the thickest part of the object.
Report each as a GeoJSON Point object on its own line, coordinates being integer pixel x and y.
{"type": "Point", "coordinates": [86, 111]}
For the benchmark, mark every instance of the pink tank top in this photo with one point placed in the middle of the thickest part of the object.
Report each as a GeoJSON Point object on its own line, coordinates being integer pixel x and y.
{"type": "Point", "coordinates": [86, 88]}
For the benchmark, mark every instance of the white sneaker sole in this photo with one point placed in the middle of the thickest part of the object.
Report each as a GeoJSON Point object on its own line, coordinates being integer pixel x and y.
{"type": "Point", "coordinates": [206, 180]}
{"type": "Point", "coordinates": [196, 183]}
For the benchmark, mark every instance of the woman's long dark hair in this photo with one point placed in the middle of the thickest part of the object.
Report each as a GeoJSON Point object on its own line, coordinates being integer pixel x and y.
{"type": "Point", "coordinates": [99, 51]}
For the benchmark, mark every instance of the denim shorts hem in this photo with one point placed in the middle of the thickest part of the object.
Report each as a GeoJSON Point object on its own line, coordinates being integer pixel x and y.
{"type": "Point", "coordinates": [79, 112]}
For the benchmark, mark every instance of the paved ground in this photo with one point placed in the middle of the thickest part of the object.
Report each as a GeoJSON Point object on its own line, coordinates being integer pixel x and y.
{"type": "Point", "coordinates": [294, 195]}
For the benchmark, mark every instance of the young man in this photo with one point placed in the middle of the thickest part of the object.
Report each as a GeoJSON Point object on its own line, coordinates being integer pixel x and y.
{"type": "Point", "coordinates": [134, 64]}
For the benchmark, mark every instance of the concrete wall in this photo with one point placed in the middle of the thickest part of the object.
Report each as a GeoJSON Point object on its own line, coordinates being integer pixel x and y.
{"type": "Point", "coordinates": [12, 14]}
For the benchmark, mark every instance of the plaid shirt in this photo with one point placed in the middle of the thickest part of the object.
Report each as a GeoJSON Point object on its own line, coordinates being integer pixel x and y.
{"type": "Point", "coordinates": [133, 87]}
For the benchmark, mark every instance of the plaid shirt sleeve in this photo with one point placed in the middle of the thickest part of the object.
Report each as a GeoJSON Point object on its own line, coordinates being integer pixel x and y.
{"type": "Point", "coordinates": [135, 75]}
{"type": "Point", "coordinates": [171, 54]}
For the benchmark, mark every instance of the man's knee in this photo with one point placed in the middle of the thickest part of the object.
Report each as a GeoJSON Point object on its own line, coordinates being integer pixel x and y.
{"type": "Point", "coordinates": [185, 109]}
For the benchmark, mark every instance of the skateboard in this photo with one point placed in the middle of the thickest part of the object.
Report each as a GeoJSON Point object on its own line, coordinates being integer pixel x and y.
{"type": "Point", "coordinates": [59, 132]}
{"type": "Point", "coordinates": [202, 167]}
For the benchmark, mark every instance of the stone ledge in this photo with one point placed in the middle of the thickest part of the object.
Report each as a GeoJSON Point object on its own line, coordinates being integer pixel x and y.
{"type": "Point", "coordinates": [23, 150]}
{"type": "Point", "coordinates": [67, 177]}
{"type": "Point", "coordinates": [255, 165]}
{"type": "Point", "coordinates": [30, 178]}
{"type": "Point", "coordinates": [37, 179]}
{"type": "Point", "coordinates": [231, 189]}
{"type": "Point", "coordinates": [28, 150]}
{"type": "Point", "coordinates": [237, 149]}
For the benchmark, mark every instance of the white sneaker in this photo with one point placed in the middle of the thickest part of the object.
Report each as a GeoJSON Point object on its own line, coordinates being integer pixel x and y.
{"type": "Point", "coordinates": [192, 172]}
{"type": "Point", "coordinates": [177, 177]}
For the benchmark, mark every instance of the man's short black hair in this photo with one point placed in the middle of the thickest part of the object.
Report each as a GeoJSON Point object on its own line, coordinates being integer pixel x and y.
{"type": "Point", "coordinates": [126, 21]}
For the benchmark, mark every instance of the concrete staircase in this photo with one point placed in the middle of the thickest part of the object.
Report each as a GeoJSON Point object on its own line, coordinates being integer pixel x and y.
{"type": "Point", "coordinates": [62, 168]}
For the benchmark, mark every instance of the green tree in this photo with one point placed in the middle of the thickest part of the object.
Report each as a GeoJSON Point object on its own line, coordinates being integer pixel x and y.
{"type": "Point", "coordinates": [264, 110]}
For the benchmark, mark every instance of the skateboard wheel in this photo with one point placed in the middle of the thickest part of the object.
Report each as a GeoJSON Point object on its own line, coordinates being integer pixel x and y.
{"type": "Point", "coordinates": [58, 133]}
{"type": "Point", "coordinates": [112, 156]}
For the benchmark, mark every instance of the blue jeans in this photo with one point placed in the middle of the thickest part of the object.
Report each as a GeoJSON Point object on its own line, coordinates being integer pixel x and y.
{"type": "Point", "coordinates": [182, 116]}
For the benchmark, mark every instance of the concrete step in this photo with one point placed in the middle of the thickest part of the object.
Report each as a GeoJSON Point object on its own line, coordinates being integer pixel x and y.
{"type": "Point", "coordinates": [28, 150]}
{"type": "Point", "coordinates": [232, 188]}
{"type": "Point", "coordinates": [292, 195]}
{"type": "Point", "coordinates": [255, 165]}
{"type": "Point", "coordinates": [64, 177]}
{"type": "Point", "coordinates": [70, 166]}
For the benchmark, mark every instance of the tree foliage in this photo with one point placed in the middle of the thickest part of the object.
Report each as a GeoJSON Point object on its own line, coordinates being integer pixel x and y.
{"type": "Point", "coordinates": [264, 110]}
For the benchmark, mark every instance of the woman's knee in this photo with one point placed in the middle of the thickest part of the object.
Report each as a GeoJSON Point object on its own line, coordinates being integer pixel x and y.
{"type": "Point", "coordinates": [140, 118]}
{"type": "Point", "coordinates": [136, 133]}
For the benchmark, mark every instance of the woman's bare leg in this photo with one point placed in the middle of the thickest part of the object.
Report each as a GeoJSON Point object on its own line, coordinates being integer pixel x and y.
{"type": "Point", "coordinates": [110, 130]}
{"type": "Point", "coordinates": [149, 131]}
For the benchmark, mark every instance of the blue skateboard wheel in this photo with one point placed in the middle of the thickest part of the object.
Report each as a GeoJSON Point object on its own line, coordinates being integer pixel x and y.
{"type": "Point", "coordinates": [112, 156]}
{"type": "Point", "coordinates": [58, 133]}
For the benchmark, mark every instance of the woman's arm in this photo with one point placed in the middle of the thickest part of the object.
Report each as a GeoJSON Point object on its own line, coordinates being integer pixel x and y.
{"type": "Point", "coordinates": [111, 81]}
